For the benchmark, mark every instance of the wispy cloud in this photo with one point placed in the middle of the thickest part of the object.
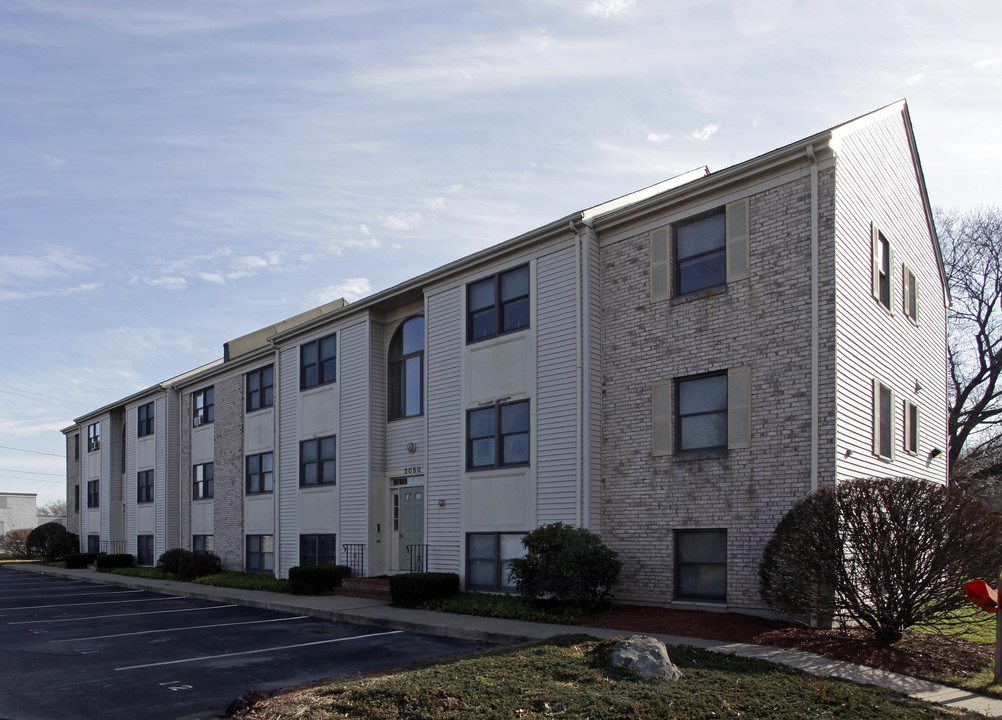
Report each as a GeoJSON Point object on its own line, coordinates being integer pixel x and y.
{"type": "Point", "coordinates": [608, 8]}
{"type": "Point", "coordinates": [52, 261]}
{"type": "Point", "coordinates": [657, 137]}
{"type": "Point", "coordinates": [705, 133]}
{"type": "Point", "coordinates": [401, 221]}
{"type": "Point", "coordinates": [988, 63]}
{"type": "Point", "coordinates": [914, 80]}
{"type": "Point", "coordinates": [350, 289]}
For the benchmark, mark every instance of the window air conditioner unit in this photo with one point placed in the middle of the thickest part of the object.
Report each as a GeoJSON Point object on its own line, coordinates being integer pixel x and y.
{"type": "Point", "coordinates": [197, 421]}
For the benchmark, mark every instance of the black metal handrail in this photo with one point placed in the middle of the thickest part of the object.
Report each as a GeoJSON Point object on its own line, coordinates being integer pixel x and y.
{"type": "Point", "coordinates": [419, 557]}
{"type": "Point", "coordinates": [354, 557]}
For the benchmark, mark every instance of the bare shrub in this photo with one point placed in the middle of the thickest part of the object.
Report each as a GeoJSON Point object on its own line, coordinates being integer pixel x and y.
{"type": "Point", "coordinates": [13, 543]}
{"type": "Point", "coordinates": [887, 553]}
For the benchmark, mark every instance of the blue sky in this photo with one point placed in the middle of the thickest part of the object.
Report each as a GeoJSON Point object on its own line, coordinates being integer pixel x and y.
{"type": "Point", "coordinates": [176, 174]}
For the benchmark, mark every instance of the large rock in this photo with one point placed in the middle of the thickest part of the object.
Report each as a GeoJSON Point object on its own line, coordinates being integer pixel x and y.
{"type": "Point", "coordinates": [646, 656]}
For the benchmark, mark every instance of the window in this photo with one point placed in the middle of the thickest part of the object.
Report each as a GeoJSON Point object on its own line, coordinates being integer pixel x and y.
{"type": "Point", "coordinates": [260, 553]}
{"type": "Point", "coordinates": [701, 253]}
{"type": "Point", "coordinates": [260, 388]}
{"type": "Point", "coordinates": [318, 549]}
{"type": "Point", "coordinates": [911, 425]}
{"type": "Point", "coordinates": [144, 486]}
{"type": "Point", "coordinates": [202, 481]}
{"type": "Point", "coordinates": [316, 462]}
{"type": "Point", "coordinates": [882, 264]}
{"type": "Point", "coordinates": [318, 362]}
{"type": "Point", "coordinates": [145, 415]}
{"type": "Point", "coordinates": [94, 437]}
{"type": "Point", "coordinates": [406, 363]}
{"type": "Point", "coordinates": [701, 413]}
{"type": "Point", "coordinates": [260, 474]}
{"type": "Point", "coordinates": [93, 543]}
{"type": "Point", "coordinates": [76, 498]}
{"type": "Point", "coordinates": [909, 294]}
{"type": "Point", "coordinates": [498, 304]}
{"type": "Point", "coordinates": [76, 447]}
{"type": "Point", "coordinates": [488, 559]}
{"type": "Point", "coordinates": [144, 550]}
{"type": "Point", "coordinates": [701, 565]}
{"type": "Point", "coordinates": [203, 407]}
{"type": "Point", "coordinates": [883, 420]}
{"type": "Point", "coordinates": [202, 544]}
{"type": "Point", "coordinates": [498, 436]}
{"type": "Point", "coordinates": [93, 493]}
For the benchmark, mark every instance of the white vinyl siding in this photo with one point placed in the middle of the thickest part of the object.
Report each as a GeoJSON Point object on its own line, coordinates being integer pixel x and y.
{"type": "Point", "coordinates": [870, 342]}
{"type": "Point", "coordinates": [446, 334]}
{"type": "Point", "coordinates": [287, 462]}
{"type": "Point", "coordinates": [557, 394]}
{"type": "Point", "coordinates": [353, 448]}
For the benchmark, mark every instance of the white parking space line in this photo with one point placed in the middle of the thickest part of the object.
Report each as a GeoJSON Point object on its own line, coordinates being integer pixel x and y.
{"type": "Point", "coordinates": [120, 615]}
{"type": "Point", "coordinates": [181, 629]}
{"type": "Point", "coordinates": [103, 602]}
{"type": "Point", "coordinates": [54, 595]}
{"type": "Point", "coordinates": [254, 652]}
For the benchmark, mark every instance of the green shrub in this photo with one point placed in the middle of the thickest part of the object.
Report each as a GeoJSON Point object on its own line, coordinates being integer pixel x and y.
{"type": "Point", "coordinates": [245, 581]}
{"type": "Point", "coordinates": [51, 541]}
{"type": "Point", "coordinates": [195, 565]}
{"type": "Point", "coordinates": [316, 579]}
{"type": "Point", "coordinates": [110, 562]}
{"type": "Point", "coordinates": [78, 561]}
{"type": "Point", "coordinates": [512, 607]}
{"type": "Point", "coordinates": [414, 589]}
{"type": "Point", "coordinates": [566, 563]}
{"type": "Point", "coordinates": [170, 561]}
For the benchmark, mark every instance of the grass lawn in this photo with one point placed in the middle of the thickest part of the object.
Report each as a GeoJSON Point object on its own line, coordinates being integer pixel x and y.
{"type": "Point", "coordinates": [557, 678]}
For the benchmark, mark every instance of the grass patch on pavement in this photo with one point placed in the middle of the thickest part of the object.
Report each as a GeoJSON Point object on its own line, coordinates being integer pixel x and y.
{"type": "Point", "coordinates": [510, 607]}
{"type": "Point", "coordinates": [560, 678]}
{"type": "Point", "coordinates": [144, 572]}
{"type": "Point", "coordinates": [244, 581]}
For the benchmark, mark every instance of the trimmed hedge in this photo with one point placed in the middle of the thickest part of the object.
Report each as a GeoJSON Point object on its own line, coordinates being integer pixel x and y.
{"type": "Point", "coordinates": [110, 562]}
{"type": "Point", "coordinates": [316, 579]}
{"type": "Point", "coordinates": [414, 589]}
{"type": "Point", "coordinates": [170, 561]}
{"type": "Point", "coordinates": [79, 561]}
{"type": "Point", "coordinates": [196, 565]}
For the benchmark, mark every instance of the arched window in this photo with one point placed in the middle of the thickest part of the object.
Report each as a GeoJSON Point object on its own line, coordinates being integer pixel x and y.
{"type": "Point", "coordinates": [406, 364]}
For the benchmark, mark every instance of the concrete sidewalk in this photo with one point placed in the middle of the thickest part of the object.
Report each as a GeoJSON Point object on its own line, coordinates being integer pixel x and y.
{"type": "Point", "coordinates": [494, 630]}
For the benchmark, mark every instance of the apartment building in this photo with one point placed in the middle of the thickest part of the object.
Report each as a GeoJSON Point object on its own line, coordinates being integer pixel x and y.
{"type": "Point", "coordinates": [673, 369]}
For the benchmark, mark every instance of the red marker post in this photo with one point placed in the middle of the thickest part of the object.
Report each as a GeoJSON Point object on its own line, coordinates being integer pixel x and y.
{"type": "Point", "coordinates": [982, 595]}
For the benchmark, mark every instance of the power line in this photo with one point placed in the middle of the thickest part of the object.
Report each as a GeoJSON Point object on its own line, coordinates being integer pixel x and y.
{"type": "Point", "coordinates": [36, 452]}
{"type": "Point", "coordinates": [39, 397]}
{"type": "Point", "coordinates": [32, 472]}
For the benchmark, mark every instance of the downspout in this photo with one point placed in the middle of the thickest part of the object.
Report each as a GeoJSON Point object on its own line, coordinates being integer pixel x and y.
{"type": "Point", "coordinates": [586, 377]}
{"type": "Point", "coordinates": [815, 351]}
{"type": "Point", "coordinates": [579, 405]}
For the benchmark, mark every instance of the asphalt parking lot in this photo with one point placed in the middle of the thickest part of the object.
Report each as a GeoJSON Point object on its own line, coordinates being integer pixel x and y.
{"type": "Point", "coordinates": [75, 649]}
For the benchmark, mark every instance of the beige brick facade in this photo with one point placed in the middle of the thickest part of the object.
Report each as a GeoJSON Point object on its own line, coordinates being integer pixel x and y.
{"type": "Point", "coordinates": [763, 323]}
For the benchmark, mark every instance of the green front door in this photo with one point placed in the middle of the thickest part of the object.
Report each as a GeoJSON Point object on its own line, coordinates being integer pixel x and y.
{"type": "Point", "coordinates": [411, 525]}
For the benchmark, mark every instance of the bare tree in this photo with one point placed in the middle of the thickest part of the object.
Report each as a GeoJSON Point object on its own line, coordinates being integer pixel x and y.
{"type": "Point", "coordinates": [884, 553]}
{"type": "Point", "coordinates": [56, 508]}
{"type": "Point", "coordinates": [972, 256]}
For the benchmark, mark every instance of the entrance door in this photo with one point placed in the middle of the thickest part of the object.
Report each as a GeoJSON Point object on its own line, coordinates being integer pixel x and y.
{"type": "Point", "coordinates": [408, 521]}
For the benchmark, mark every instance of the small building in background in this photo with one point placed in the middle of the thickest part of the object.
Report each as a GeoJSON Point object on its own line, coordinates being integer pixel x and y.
{"type": "Point", "coordinates": [17, 511]}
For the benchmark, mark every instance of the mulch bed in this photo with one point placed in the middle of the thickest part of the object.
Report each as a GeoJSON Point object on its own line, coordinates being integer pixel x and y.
{"type": "Point", "coordinates": [916, 654]}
